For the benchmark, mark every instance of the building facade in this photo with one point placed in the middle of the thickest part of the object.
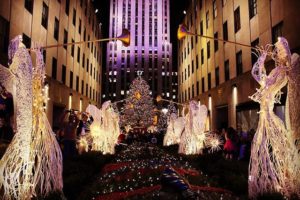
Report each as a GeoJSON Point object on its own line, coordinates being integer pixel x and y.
{"type": "Point", "coordinates": [73, 72]}
{"type": "Point", "coordinates": [150, 50]}
{"type": "Point", "coordinates": [219, 74]}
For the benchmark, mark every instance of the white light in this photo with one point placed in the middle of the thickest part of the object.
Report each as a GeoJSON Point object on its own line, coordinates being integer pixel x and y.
{"type": "Point", "coordinates": [80, 105]}
{"type": "Point", "coordinates": [234, 95]}
{"type": "Point", "coordinates": [70, 101]}
{"type": "Point", "coordinates": [168, 94]}
{"type": "Point", "coordinates": [96, 11]}
{"type": "Point", "coordinates": [184, 12]}
{"type": "Point", "coordinates": [164, 110]}
{"type": "Point", "coordinates": [209, 103]}
{"type": "Point", "coordinates": [122, 92]}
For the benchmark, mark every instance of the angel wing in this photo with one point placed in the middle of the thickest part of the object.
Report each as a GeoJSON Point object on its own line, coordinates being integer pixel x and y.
{"type": "Point", "coordinates": [95, 112]}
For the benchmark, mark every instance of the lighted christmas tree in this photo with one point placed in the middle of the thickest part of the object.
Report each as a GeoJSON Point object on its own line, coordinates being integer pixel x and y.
{"type": "Point", "coordinates": [138, 108]}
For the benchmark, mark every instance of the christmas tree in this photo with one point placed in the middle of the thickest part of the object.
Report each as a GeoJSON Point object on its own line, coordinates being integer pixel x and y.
{"type": "Point", "coordinates": [138, 110]}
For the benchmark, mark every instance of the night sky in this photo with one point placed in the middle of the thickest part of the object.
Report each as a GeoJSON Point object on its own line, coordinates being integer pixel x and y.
{"type": "Point", "coordinates": [176, 12]}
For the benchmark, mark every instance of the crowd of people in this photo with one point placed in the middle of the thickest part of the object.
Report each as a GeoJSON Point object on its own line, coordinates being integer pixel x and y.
{"type": "Point", "coordinates": [237, 143]}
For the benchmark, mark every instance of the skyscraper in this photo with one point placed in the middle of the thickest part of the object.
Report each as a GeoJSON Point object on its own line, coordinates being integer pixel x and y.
{"type": "Point", "coordinates": [150, 50]}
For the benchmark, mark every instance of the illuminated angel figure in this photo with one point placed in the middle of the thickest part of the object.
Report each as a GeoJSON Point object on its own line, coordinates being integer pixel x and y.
{"type": "Point", "coordinates": [32, 163]}
{"type": "Point", "coordinates": [272, 167]}
{"type": "Point", "coordinates": [174, 130]}
{"type": "Point", "coordinates": [193, 137]}
{"type": "Point", "coordinates": [106, 135]}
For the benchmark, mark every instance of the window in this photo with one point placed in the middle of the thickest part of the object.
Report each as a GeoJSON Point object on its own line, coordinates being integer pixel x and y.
{"type": "Point", "coordinates": [54, 68]}
{"type": "Point", "coordinates": [82, 86]}
{"type": "Point", "coordinates": [225, 31]}
{"type": "Point", "coordinates": [216, 42]}
{"type": "Point", "coordinates": [253, 56]}
{"type": "Point", "coordinates": [276, 32]}
{"type": "Point", "coordinates": [65, 38]}
{"type": "Point", "coordinates": [209, 80]}
{"type": "Point", "coordinates": [29, 5]}
{"type": "Point", "coordinates": [45, 16]}
{"type": "Point", "coordinates": [227, 73]}
{"type": "Point", "coordinates": [83, 60]}
{"type": "Point", "coordinates": [74, 17]}
{"type": "Point", "coordinates": [86, 90]}
{"type": "Point", "coordinates": [71, 80]}
{"type": "Point", "coordinates": [188, 70]}
{"type": "Point", "coordinates": [67, 8]}
{"type": "Point", "coordinates": [239, 63]}
{"type": "Point", "coordinates": [26, 41]}
{"type": "Point", "coordinates": [252, 8]}
{"type": "Point", "coordinates": [237, 20]}
{"type": "Point", "coordinates": [203, 85]}
{"type": "Point", "coordinates": [198, 87]}
{"type": "Point", "coordinates": [215, 13]}
{"type": "Point", "coordinates": [77, 83]}
{"type": "Point", "coordinates": [72, 49]}
{"type": "Point", "coordinates": [202, 56]}
{"type": "Point", "coordinates": [208, 49]}
{"type": "Point", "coordinates": [79, 27]}
{"type": "Point", "coordinates": [224, 2]}
{"type": "Point", "coordinates": [207, 19]}
{"type": "Point", "coordinates": [63, 74]}
{"type": "Point", "coordinates": [192, 66]}
{"type": "Point", "coordinates": [197, 62]}
{"type": "Point", "coordinates": [201, 27]}
{"type": "Point", "coordinates": [56, 28]}
{"type": "Point", "coordinates": [78, 54]}
{"type": "Point", "coordinates": [193, 91]}
{"type": "Point", "coordinates": [4, 39]}
{"type": "Point", "coordinates": [217, 76]}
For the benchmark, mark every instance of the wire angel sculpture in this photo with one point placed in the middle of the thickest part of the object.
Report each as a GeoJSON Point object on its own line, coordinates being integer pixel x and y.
{"type": "Point", "coordinates": [174, 130]}
{"type": "Point", "coordinates": [32, 163]}
{"type": "Point", "coordinates": [272, 165]}
{"type": "Point", "coordinates": [104, 130]}
{"type": "Point", "coordinates": [193, 138]}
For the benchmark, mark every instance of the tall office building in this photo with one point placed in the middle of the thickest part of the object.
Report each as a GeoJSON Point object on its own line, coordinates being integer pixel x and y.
{"type": "Point", "coordinates": [150, 50]}
{"type": "Point", "coordinates": [219, 74]}
{"type": "Point", "coordinates": [73, 72]}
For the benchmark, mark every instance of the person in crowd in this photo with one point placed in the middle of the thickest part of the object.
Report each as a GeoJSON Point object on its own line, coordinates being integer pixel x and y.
{"type": "Point", "coordinates": [84, 124]}
{"type": "Point", "coordinates": [229, 146]}
{"type": "Point", "coordinates": [69, 134]}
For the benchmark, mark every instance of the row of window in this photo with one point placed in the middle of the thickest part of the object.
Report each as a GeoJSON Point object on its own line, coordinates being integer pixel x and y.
{"type": "Point", "coordinates": [90, 93]}
{"type": "Point", "coordinates": [252, 6]}
{"type": "Point", "coordinates": [45, 14]}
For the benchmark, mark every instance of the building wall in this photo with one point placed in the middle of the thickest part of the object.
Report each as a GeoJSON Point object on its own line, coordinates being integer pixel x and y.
{"type": "Point", "coordinates": [150, 50]}
{"type": "Point", "coordinates": [261, 26]}
{"type": "Point", "coordinates": [23, 21]}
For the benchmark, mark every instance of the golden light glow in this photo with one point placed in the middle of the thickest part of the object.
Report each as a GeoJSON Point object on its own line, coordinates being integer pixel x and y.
{"type": "Point", "coordinates": [70, 102]}
{"type": "Point", "coordinates": [138, 95]}
{"type": "Point", "coordinates": [80, 105]}
{"type": "Point", "coordinates": [158, 98]}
